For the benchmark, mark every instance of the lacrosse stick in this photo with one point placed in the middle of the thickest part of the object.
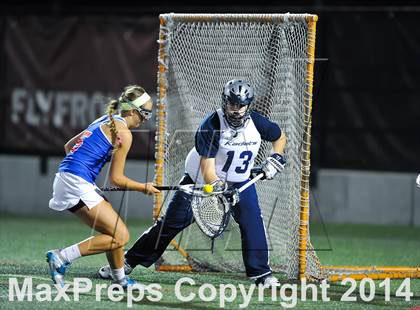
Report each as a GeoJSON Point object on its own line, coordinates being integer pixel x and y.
{"type": "Point", "coordinates": [190, 189]}
{"type": "Point", "coordinates": [212, 211]}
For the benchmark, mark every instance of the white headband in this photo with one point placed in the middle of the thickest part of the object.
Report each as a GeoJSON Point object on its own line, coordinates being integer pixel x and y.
{"type": "Point", "coordinates": [141, 100]}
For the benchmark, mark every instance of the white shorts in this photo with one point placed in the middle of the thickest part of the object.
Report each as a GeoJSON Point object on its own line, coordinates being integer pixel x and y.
{"type": "Point", "coordinates": [69, 189]}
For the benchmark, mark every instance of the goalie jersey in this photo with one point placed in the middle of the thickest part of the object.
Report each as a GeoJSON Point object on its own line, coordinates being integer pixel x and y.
{"type": "Point", "coordinates": [234, 150]}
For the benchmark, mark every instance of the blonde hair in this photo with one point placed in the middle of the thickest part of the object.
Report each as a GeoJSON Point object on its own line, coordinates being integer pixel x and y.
{"type": "Point", "coordinates": [131, 92]}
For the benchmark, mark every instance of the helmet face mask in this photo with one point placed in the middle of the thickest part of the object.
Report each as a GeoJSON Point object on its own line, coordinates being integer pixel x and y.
{"type": "Point", "coordinates": [236, 115]}
{"type": "Point", "coordinates": [237, 98]}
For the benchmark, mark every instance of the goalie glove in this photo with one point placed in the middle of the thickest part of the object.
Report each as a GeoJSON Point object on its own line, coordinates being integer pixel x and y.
{"type": "Point", "coordinates": [256, 171]}
{"type": "Point", "coordinates": [218, 185]}
{"type": "Point", "coordinates": [232, 195]}
{"type": "Point", "coordinates": [273, 164]}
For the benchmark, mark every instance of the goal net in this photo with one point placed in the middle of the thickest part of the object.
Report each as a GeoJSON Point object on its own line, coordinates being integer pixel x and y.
{"type": "Point", "coordinates": [275, 53]}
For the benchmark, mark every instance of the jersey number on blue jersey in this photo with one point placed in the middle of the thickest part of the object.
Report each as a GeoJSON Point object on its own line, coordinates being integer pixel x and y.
{"type": "Point", "coordinates": [79, 142]}
{"type": "Point", "coordinates": [246, 155]}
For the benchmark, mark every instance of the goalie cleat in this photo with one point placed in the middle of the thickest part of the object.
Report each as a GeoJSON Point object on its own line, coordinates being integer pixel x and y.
{"type": "Point", "coordinates": [57, 266]}
{"type": "Point", "coordinates": [268, 281]}
{"type": "Point", "coordinates": [105, 271]}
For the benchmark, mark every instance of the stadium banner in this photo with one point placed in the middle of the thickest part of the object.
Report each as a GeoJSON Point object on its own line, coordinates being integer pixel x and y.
{"type": "Point", "coordinates": [60, 73]}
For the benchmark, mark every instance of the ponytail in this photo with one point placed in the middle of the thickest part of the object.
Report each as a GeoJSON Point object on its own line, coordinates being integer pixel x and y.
{"type": "Point", "coordinates": [110, 111]}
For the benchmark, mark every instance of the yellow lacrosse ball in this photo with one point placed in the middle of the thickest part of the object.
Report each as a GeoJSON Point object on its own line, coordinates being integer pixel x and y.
{"type": "Point", "coordinates": [208, 188]}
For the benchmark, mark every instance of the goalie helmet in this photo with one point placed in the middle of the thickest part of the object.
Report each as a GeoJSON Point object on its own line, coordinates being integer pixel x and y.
{"type": "Point", "coordinates": [236, 95]}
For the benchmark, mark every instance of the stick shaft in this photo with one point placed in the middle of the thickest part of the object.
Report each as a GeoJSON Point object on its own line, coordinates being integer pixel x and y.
{"type": "Point", "coordinates": [118, 189]}
{"type": "Point", "coordinates": [167, 188]}
{"type": "Point", "coordinates": [246, 185]}
{"type": "Point", "coordinates": [174, 187]}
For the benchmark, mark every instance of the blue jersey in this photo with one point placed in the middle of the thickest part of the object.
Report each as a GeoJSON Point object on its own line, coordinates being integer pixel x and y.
{"type": "Point", "coordinates": [91, 151]}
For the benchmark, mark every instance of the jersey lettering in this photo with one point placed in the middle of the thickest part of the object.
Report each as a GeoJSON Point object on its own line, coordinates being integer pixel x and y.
{"type": "Point", "coordinates": [243, 143]}
{"type": "Point", "coordinates": [85, 134]}
{"type": "Point", "coordinates": [230, 155]}
{"type": "Point", "coordinates": [235, 156]}
{"type": "Point", "coordinates": [247, 155]}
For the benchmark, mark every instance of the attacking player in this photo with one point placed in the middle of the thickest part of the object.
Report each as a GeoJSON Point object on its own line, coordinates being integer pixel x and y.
{"type": "Point", "coordinates": [226, 145]}
{"type": "Point", "coordinates": [107, 138]}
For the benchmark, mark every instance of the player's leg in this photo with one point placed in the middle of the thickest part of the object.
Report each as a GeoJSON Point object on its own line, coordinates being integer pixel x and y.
{"type": "Point", "coordinates": [254, 241]}
{"type": "Point", "coordinates": [150, 246]}
{"type": "Point", "coordinates": [113, 233]}
{"type": "Point", "coordinates": [112, 238]}
{"type": "Point", "coordinates": [154, 241]}
{"type": "Point", "coordinates": [80, 197]}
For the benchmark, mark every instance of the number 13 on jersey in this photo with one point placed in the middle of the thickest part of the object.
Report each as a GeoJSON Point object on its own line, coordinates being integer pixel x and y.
{"type": "Point", "coordinates": [244, 157]}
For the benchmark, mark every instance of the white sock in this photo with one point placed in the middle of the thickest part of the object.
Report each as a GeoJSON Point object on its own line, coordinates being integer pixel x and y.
{"type": "Point", "coordinates": [117, 274]}
{"type": "Point", "coordinates": [70, 253]}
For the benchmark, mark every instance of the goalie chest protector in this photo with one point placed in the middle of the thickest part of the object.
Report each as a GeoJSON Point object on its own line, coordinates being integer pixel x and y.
{"type": "Point", "coordinates": [235, 156]}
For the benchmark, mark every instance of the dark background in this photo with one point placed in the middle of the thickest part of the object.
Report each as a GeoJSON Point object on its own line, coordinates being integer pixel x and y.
{"type": "Point", "coordinates": [366, 107]}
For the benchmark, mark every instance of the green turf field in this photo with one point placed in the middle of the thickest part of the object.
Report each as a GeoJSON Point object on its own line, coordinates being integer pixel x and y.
{"type": "Point", "coordinates": [25, 240]}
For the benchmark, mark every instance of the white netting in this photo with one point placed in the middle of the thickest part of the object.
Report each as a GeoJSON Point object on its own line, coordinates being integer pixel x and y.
{"type": "Point", "coordinates": [211, 214]}
{"type": "Point", "coordinates": [271, 54]}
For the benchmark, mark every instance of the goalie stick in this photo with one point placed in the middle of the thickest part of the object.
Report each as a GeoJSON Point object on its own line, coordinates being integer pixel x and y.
{"type": "Point", "coordinates": [212, 212]}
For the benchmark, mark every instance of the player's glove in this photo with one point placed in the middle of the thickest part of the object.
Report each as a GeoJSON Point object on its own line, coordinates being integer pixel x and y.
{"type": "Point", "coordinates": [273, 164]}
{"type": "Point", "coordinates": [232, 195]}
{"type": "Point", "coordinates": [218, 185]}
{"type": "Point", "coordinates": [256, 171]}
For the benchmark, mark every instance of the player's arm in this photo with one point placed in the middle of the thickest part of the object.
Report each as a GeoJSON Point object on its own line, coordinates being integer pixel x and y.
{"type": "Point", "coordinates": [207, 145]}
{"type": "Point", "coordinates": [275, 162]}
{"type": "Point", "coordinates": [279, 144]}
{"type": "Point", "coordinates": [69, 144]}
{"type": "Point", "coordinates": [117, 176]}
{"type": "Point", "coordinates": [208, 169]}
{"type": "Point", "coordinates": [271, 131]}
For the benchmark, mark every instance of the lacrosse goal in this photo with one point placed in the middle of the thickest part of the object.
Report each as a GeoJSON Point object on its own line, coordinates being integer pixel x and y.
{"type": "Point", "coordinates": [198, 54]}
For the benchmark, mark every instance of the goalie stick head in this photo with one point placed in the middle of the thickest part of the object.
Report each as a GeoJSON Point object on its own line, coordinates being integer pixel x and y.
{"type": "Point", "coordinates": [237, 98]}
{"type": "Point", "coordinates": [211, 213]}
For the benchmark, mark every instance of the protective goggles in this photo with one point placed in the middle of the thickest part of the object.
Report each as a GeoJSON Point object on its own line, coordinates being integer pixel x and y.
{"type": "Point", "coordinates": [136, 104]}
{"type": "Point", "coordinates": [146, 114]}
